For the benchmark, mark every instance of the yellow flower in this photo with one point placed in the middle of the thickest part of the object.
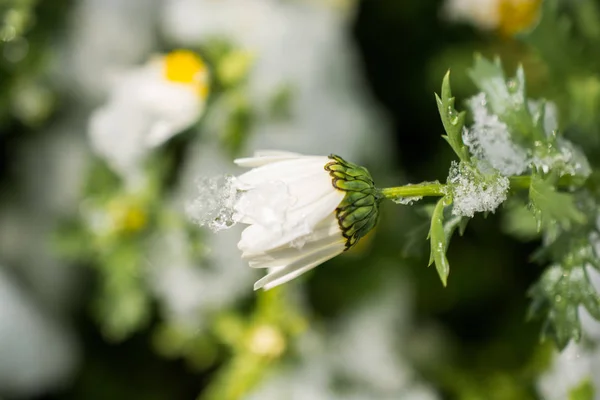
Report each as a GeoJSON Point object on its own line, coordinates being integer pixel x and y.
{"type": "Point", "coordinates": [508, 17]}
{"type": "Point", "coordinates": [517, 15]}
{"type": "Point", "coordinates": [184, 66]}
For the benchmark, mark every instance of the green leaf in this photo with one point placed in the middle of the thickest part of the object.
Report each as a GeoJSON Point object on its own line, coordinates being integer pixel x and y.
{"type": "Point", "coordinates": [506, 98]}
{"type": "Point", "coordinates": [452, 120]}
{"type": "Point", "coordinates": [557, 297]}
{"type": "Point", "coordinates": [438, 236]}
{"type": "Point", "coordinates": [551, 207]}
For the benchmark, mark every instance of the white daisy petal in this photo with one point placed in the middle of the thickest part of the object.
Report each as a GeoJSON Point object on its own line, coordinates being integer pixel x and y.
{"type": "Point", "coordinates": [264, 157]}
{"type": "Point", "coordinates": [285, 274]}
{"type": "Point", "coordinates": [269, 153]}
{"type": "Point", "coordinates": [300, 222]}
{"type": "Point", "coordinates": [283, 171]}
{"type": "Point", "coordinates": [285, 256]}
{"type": "Point", "coordinates": [329, 227]}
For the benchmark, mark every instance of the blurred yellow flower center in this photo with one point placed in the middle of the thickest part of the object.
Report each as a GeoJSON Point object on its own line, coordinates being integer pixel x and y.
{"type": "Point", "coordinates": [183, 66]}
{"type": "Point", "coordinates": [128, 218]}
{"type": "Point", "coordinates": [267, 341]}
{"type": "Point", "coordinates": [517, 15]}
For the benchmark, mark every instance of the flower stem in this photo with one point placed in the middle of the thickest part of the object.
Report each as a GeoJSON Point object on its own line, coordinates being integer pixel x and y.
{"type": "Point", "coordinates": [428, 189]}
{"type": "Point", "coordinates": [416, 190]}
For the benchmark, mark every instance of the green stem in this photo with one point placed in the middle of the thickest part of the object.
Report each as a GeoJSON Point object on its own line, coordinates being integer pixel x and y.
{"type": "Point", "coordinates": [428, 189]}
{"type": "Point", "coordinates": [418, 190]}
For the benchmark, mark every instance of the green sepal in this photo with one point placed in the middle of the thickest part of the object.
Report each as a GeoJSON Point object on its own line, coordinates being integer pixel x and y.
{"type": "Point", "coordinates": [452, 120]}
{"type": "Point", "coordinates": [358, 212]}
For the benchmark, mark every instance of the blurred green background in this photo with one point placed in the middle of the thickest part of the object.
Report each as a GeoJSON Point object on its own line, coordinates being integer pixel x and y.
{"type": "Point", "coordinates": [470, 340]}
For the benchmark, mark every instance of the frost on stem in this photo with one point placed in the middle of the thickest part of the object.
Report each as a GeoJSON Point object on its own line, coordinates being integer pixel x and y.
{"type": "Point", "coordinates": [475, 189]}
{"type": "Point", "coordinates": [407, 201]}
{"type": "Point", "coordinates": [214, 203]}
{"type": "Point", "coordinates": [489, 139]}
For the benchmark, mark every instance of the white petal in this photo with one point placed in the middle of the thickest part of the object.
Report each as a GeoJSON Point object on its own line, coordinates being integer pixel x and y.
{"type": "Point", "coordinates": [268, 153]}
{"type": "Point", "coordinates": [282, 171]}
{"type": "Point", "coordinates": [285, 274]}
{"type": "Point", "coordinates": [287, 255]}
{"type": "Point", "coordinates": [257, 238]}
{"type": "Point", "coordinates": [264, 157]}
{"type": "Point", "coordinates": [283, 198]}
{"type": "Point", "coordinates": [328, 227]}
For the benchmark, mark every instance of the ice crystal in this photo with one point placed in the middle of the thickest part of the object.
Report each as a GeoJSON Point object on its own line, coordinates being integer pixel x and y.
{"type": "Point", "coordinates": [407, 200]}
{"type": "Point", "coordinates": [489, 139]}
{"type": "Point", "coordinates": [564, 157]}
{"type": "Point", "coordinates": [475, 189]}
{"type": "Point", "coordinates": [214, 204]}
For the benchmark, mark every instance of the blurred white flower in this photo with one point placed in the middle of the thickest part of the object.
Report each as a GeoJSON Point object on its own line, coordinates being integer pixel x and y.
{"type": "Point", "coordinates": [363, 349]}
{"type": "Point", "coordinates": [190, 290]}
{"type": "Point", "coordinates": [508, 16]}
{"type": "Point", "coordinates": [148, 106]}
{"type": "Point", "coordinates": [482, 13]}
{"type": "Point", "coordinates": [327, 94]}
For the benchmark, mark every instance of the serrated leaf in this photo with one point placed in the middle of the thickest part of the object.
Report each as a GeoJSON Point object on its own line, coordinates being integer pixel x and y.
{"type": "Point", "coordinates": [506, 98]}
{"type": "Point", "coordinates": [551, 207]}
{"type": "Point", "coordinates": [439, 240]}
{"type": "Point", "coordinates": [557, 297]}
{"type": "Point", "coordinates": [452, 120]}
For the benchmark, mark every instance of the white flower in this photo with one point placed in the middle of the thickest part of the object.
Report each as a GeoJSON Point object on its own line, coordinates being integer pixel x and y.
{"type": "Point", "coordinates": [146, 108]}
{"type": "Point", "coordinates": [508, 16]}
{"type": "Point", "coordinates": [482, 13]}
{"type": "Point", "coordinates": [319, 36]}
{"type": "Point", "coordinates": [293, 204]}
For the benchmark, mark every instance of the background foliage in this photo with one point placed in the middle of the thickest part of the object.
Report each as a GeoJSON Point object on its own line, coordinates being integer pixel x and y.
{"type": "Point", "coordinates": [100, 312]}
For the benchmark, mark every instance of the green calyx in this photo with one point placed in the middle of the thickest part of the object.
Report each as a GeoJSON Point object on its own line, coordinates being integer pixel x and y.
{"type": "Point", "coordinates": [357, 213]}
